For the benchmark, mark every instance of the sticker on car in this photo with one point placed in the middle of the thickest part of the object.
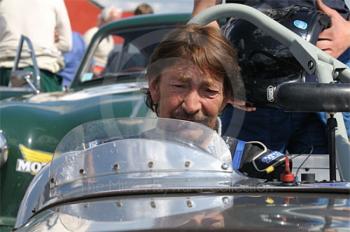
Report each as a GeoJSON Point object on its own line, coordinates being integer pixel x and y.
{"type": "Point", "coordinates": [33, 160]}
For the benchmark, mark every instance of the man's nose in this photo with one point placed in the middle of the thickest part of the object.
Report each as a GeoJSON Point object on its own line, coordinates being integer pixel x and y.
{"type": "Point", "coordinates": [192, 102]}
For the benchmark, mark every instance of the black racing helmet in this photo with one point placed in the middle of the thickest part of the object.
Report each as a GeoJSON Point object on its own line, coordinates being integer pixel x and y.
{"type": "Point", "coordinates": [265, 62]}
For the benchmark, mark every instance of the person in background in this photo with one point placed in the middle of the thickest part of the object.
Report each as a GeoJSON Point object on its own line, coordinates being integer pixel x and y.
{"type": "Point", "coordinates": [39, 21]}
{"type": "Point", "coordinates": [257, 124]}
{"type": "Point", "coordinates": [72, 59]}
{"type": "Point", "coordinates": [107, 15]}
{"type": "Point", "coordinates": [336, 41]}
{"type": "Point", "coordinates": [136, 60]}
{"type": "Point", "coordinates": [143, 8]}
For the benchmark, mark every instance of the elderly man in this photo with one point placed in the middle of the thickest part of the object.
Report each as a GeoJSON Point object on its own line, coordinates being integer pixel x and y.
{"type": "Point", "coordinates": [192, 75]}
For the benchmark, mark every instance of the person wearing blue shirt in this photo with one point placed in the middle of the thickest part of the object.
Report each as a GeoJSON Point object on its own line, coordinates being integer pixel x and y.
{"type": "Point", "coordinates": [72, 59]}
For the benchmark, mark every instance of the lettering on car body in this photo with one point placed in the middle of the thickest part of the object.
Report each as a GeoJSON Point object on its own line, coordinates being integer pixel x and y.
{"type": "Point", "coordinates": [33, 160]}
{"type": "Point", "coordinates": [28, 166]}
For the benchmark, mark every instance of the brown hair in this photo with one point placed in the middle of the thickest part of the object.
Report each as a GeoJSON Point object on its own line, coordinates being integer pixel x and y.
{"type": "Point", "coordinates": [143, 8]}
{"type": "Point", "coordinates": [206, 48]}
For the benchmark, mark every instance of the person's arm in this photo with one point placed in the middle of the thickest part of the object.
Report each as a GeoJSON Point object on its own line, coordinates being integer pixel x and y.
{"type": "Point", "coordinates": [200, 5]}
{"type": "Point", "coordinates": [336, 39]}
{"type": "Point", "coordinates": [63, 27]}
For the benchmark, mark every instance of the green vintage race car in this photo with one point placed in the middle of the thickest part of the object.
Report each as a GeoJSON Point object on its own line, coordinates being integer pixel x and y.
{"type": "Point", "coordinates": [32, 124]}
{"type": "Point", "coordinates": [189, 188]}
{"type": "Point", "coordinates": [140, 174]}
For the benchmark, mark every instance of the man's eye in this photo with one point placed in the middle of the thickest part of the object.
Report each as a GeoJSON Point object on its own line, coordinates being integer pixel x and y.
{"type": "Point", "coordinates": [211, 92]}
{"type": "Point", "coordinates": [179, 85]}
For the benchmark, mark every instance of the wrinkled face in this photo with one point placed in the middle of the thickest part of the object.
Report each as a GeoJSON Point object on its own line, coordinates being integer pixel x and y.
{"type": "Point", "coordinates": [185, 92]}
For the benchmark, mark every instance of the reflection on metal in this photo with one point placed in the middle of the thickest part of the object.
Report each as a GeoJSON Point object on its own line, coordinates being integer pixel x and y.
{"type": "Point", "coordinates": [17, 75]}
{"type": "Point", "coordinates": [3, 149]}
{"type": "Point", "coordinates": [134, 213]}
{"type": "Point", "coordinates": [248, 212]}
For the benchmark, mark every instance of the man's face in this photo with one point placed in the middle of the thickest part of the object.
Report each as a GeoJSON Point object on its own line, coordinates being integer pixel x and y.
{"type": "Point", "coordinates": [185, 92]}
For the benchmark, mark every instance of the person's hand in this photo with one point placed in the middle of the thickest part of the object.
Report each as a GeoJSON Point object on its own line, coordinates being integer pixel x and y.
{"type": "Point", "coordinates": [335, 39]}
{"type": "Point", "coordinates": [242, 105]}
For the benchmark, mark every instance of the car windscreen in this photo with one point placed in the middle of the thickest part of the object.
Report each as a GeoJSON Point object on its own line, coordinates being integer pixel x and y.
{"type": "Point", "coordinates": [127, 59]}
{"type": "Point", "coordinates": [134, 154]}
{"type": "Point", "coordinates": [186, 133]}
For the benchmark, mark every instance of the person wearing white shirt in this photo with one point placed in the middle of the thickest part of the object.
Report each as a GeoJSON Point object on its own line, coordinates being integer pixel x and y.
{"type": "Point", "coordinates": [40, 21]}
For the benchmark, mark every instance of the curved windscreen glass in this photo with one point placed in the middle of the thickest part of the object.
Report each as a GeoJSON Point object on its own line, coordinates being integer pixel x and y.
{"type": "Point", "coordinates": [139, 154]}
{"type": "Point", "coordinates": [185, 133]}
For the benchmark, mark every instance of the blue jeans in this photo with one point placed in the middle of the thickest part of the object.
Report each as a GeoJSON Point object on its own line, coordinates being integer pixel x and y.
{"type": "Point", "coordinates": [294, 132]}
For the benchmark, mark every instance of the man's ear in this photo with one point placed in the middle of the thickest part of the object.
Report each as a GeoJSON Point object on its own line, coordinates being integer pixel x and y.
{"type": "Point", "coordinates": [153, 85]}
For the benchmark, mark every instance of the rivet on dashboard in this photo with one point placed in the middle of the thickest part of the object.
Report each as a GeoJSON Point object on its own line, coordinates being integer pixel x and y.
{"type": "Point", "coordinates": [119, 204]}
{"type": "Point", "coordinates": [224, 166]}
{"type": "Point", "coordinates": [225, 200]}
{"type": "Point", "coordinates": [82, 171]}
{"type": "Point", "coordinates": [153, 204]}
{"type": "Point", "coordinates": [116, 167]}
{"type": "Point", "coordinates": [189, 203]}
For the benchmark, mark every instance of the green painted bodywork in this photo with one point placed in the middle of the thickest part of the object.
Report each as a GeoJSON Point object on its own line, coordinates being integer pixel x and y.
{"type": "Point", "coordinates": [40, 121]}
{"type": "Point", "coordinates": [41, 126]}
{"type": "Point", "coordinates": [6, 92]}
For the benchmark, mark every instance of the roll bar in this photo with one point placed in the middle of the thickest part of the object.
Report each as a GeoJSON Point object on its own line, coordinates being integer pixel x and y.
{"type": "Point", "coordinates": [36, 85]}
